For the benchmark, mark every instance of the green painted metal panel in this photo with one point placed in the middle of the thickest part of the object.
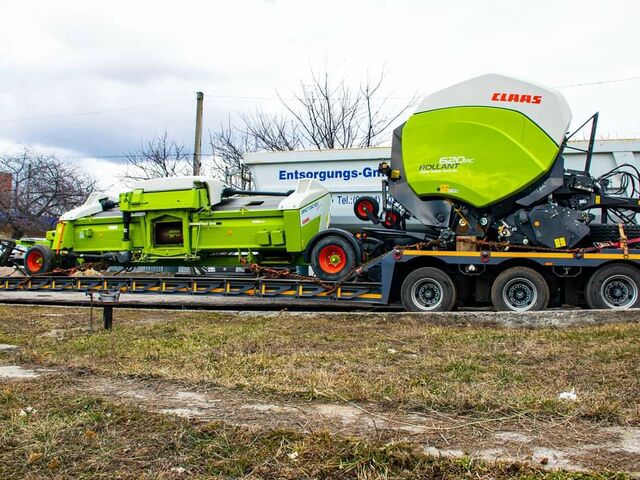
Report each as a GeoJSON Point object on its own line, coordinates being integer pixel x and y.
{"type": "Point", "coordinates": [138, 201]}
{"type": "Point", "coordinates": [263, 237]}
{"type": "Point", "coordinates": [463, 153]}
{"type": "Point", "coordinates": [233, 234]}
{"type": "Point", "coordinates": [106, 234]}
{"type": "Point", "coordinates": [277, 237]}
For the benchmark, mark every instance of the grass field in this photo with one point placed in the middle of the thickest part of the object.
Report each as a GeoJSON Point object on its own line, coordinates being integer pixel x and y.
{"type": "Point", "coordinates": [482, 370]}
{"type": "Point", "coordinates": [69, 436]}
{"type": "Point", "coordinates": [463, 370]}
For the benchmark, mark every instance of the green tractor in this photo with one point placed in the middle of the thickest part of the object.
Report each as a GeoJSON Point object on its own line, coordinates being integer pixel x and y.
{"type": "Point", "coordinates": [199, 222]}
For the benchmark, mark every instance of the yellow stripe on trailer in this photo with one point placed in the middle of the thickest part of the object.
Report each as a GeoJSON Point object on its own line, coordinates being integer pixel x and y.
{"type": "Point", "coordinates": [592, 256]}
{"type": "Point", "coordinates": [611, 256]}
{"type": "Point", "coordinates": [370, 295]}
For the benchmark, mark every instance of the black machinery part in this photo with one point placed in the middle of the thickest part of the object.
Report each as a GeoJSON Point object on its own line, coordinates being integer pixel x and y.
{"type": "Point", "coordinates": [610, 232]}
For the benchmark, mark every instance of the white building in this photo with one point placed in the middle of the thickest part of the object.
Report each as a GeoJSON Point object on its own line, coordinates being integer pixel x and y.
{"type": "Point", "coordinates": [351, 173]}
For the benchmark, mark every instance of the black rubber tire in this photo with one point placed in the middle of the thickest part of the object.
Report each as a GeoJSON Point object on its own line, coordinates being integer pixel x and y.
{"type": "Point", "coordinates": [609, 232]}
{"type": "Point", "coordinates": [44, 254]}
{"type": "Point", "coordinates": [348, 262]}
{"type": "Point", "coordinates": [598, 293]}
{"type": "Point", "coordinates": [428, 289]}
{"type": "Point", "coordinates": [375, 208]}
{"type": "Point", "coordinates": [516, 281]}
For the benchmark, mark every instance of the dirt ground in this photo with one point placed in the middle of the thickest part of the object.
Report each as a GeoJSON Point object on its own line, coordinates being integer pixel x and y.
{"type": "Point", "coordinates": [567, 445]}
{"type": "Point", "coordinates": [48, 353]}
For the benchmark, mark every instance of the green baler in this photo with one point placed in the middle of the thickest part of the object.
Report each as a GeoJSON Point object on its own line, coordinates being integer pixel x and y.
{"type": "Point", "coordinates": [193, 221]}
{"type": "Point", "coordinates": [482, 160]}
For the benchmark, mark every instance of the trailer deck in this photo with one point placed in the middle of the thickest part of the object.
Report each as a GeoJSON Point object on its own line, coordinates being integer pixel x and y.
{"type": "Point", "coordinates": [200, 285]}
{"type": "Point", "coordinates": [474, 273]}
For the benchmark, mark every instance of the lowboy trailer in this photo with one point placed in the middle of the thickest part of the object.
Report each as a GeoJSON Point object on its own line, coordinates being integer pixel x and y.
{"type": "Point", "coordinates": [420, 280]}
{"type": "Point", "coordinates": [478, 208]}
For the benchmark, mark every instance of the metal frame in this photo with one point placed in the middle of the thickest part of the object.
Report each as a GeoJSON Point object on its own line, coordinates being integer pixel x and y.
{"type": "Point", "coordinates": [199, 286]}
{"type": "Point", "coordinates": [377, 293]}
{"type": "Point", "coordinates": [260, 287]}
{"type": "Point", "coordinates": [592, 138]}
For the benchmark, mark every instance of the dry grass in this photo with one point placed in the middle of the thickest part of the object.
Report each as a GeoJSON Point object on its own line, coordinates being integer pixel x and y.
{"type": "Point", "coordinates": [70, 436]}
{"type": "Point", "coordinates": [478, 370]}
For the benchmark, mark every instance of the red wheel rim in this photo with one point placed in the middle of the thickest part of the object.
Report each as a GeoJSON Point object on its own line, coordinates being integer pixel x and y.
{"type": "Point", "coordinates": [35, 259]}
{"type": "Point", "coordinates": [364, 207]}
{"type": "Point", "coordinates": [332, 259]}
{"type": "Point", "coordinates": [391, 219]}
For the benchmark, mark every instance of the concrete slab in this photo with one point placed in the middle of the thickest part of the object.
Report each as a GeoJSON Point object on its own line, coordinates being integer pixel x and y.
{"type": "Point", "coordinates": [16, 371]}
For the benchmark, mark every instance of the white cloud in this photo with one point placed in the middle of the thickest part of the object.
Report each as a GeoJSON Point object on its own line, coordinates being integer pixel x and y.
{"type": "Point", "coordinates": [79, 56]}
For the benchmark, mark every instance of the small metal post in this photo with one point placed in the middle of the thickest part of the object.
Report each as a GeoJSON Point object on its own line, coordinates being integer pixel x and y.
{"type": "Point", "coordinates": [90, 312]}
{"type": "Point", "coordinates": [107, 317]}
{"type": "Point", "coordinates": [108, 300]}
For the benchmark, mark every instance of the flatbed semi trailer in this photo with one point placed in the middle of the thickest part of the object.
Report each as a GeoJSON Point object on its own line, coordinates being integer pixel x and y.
{"type": "Point", "coordinates": [420, 280]}
{"type": "Point", "coordinates": [477, 208]}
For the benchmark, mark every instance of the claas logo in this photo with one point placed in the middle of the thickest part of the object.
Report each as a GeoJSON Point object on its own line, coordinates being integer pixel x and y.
{"type": "Point", "coordinates": [516, 98]}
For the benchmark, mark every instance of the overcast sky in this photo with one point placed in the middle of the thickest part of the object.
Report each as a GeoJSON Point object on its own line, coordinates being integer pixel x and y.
{"type": "Point", "coordinates": [137, 64]}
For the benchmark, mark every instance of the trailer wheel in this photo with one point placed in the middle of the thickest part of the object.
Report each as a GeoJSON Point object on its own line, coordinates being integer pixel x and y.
{"type": "Point", "coordinates": [391, 219]}
{"type": "Point", "coordinates": [613, 286]}
{"type": "Point", "coordinates": [520, 289]}
{"type": "Point", "coordinates": [365, 206]}
{"type": "Point", "coordinates": [38, 259]}
{"type": "Point", "coordinates": [428, 289]}
{"type": "Point", "coordinates": [333, 257]}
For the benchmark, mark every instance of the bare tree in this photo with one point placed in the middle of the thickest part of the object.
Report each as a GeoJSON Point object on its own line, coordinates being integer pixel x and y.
{"type": "Point", "coordinates": [157, 158]}
{"type": "Point", "coordinates": [323, 114]}
{"type": "Point", "coordinates": [261, 132]}
{"type": "Point", "coordinates": [378, 119]}
{"type": "Point", "coordinates": [227, 146]}
{"type": "Point", "coordinates": [41, 189]}
{"type": "Point", "coordinates": [271, 132]}
{"type": "Point", "coordinates": [335, 115]}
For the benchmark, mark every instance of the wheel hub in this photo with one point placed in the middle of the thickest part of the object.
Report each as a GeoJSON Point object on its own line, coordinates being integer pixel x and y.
{"type": "Point", "coordinates": [427, 294]}
{"type": "Point", "coordinates": [520, 294]}
{"type": "Point", "coordinates": [34, 261]}
{"type": "Point", "coordinates": [619, 291]}
{"type": "Point", "coordinates": [334, 259]}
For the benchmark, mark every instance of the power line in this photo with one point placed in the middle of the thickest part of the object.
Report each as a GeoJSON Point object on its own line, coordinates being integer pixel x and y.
{"type": "Point", "coordinates": [155, 105]}
{"type": "Point", "coordinates": [236, 97]}
{"type": "Point", "coordinates": [256, 98]}
{"type": "Point", "coordinates": [120, 156]}
{"type": "Point", "coordinates": [94, 112]}
{"type": "Point", "coordinates": [601, 82]}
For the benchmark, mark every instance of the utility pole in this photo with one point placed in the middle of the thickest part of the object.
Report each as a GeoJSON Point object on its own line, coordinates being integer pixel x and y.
{"type": "Point", "coordinates": [198, 143]}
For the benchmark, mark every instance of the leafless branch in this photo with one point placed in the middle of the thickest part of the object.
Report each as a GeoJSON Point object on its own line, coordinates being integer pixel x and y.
{"type": "Point", "coordinates": [157, 158]}
{"type": "Point", "coordinates": [324, 114]}
{"type": "Point", "coordinates": [41, 188]}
